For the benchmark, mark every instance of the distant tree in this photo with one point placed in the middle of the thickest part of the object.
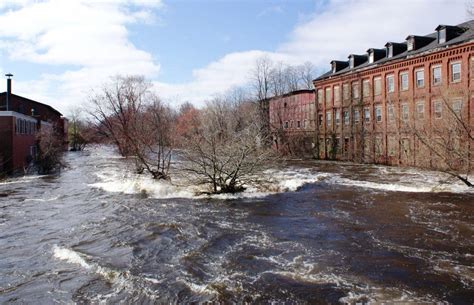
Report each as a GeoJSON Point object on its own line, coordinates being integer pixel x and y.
{"type": "Point", "coordinates": [187, 123]}
{"type": "Point", "coordinates": [136, 120]}
{"type": "Point", "coordinates": [306, 73]}
{"type": "Point", "coordinates": [79, 133]}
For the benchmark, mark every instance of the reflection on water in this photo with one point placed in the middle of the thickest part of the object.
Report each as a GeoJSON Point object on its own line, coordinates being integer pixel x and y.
{"type": "Point", "coordinates": [318, 232]}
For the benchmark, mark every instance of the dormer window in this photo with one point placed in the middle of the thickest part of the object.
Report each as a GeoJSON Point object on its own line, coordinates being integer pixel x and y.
{"type": "Point", "coordinates": [390, 51]}
{"type": "Point", "coordinates": [442, 36]}
{"type": "Point", "coordinates": [371, 57]}
{"type": "Point", "coordinates": [351, 62]}
{"type": "Point", "coordinates": [333, 67]}
{"type": "Point", "coordinates": [411, 44]}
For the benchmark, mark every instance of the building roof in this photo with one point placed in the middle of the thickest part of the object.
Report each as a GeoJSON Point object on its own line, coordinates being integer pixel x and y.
{"type": "Point", "coordinates": [465, 36]}
{"type": "Point", "coordinates": [32, 101]}
{"type": "Point", "coordinates": [293, 93]}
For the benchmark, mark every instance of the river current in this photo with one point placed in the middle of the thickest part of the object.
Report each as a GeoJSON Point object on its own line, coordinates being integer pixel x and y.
{"type": "Point", "coordinates": [317, 232]}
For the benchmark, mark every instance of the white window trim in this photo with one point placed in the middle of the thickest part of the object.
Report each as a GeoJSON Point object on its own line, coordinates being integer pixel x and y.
{"type": "Point", "coordinates": [378, 107]}
{"type": "Point", "coordinates": [451, 64]}
{"type": "Point", "coordinates": [401, 81]}
{"type": "Point", "coordinates": [390, 76]}
{"type": "Point", "coordinates": [416, 77]}
{"type": "Point", "coordinates": [433, 75]}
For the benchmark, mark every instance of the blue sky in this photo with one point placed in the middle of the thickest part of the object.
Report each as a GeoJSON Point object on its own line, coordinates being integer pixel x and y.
{"type": "Point", "coordinates": [191, 50]}
{"type": "Point", "coordinates": [194, 33]}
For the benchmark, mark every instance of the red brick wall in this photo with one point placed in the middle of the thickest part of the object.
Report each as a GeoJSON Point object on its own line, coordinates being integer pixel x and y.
{"type": "Point", "coordinates": [293, 115]}
{"type": "Point", "coordinates": [395, 138]}
{"type": "Point", "coordinates": [6, 127]}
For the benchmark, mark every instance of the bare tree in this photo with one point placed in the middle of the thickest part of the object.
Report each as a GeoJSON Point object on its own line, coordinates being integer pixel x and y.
{"type": "Point", "coordinates": [261, 77]}
{"type": "Point", "coordinates": [137, 122]}
{"type": "Point", "coordinates": [450, 139]}
{"type": "Point", "coordinates": [227, 150]}
{"type": "Point", "coordinates": [306, 73]}
{"type": "Point", "coordinates": [78, 130]}
{"type": "Point", "coordinates": [50, 150]}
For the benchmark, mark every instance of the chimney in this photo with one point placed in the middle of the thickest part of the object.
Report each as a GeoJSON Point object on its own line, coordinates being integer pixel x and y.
{"type": "Point", "coordinates": [9, 89]}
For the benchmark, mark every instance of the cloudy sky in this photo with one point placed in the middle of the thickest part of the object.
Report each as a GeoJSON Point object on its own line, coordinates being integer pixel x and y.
{"type": "Point", "coordinates": [59, 50]}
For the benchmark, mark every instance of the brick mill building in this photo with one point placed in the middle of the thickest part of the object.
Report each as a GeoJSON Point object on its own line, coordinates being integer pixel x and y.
{"type": "Point", "coordinates": [373, 106]}
{"type": "Point", "coordinates": [293, 121]}
{"type": "Point", "coordinates": [20, 121]}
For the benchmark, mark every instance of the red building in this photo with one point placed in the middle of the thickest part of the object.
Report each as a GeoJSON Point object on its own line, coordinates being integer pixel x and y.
{"type": "Point", "coordinates": [390, 105]}
{"type": "Point", "coordinates": [292, 122]}
{"type": "Point", "coordinates": [20, 121]}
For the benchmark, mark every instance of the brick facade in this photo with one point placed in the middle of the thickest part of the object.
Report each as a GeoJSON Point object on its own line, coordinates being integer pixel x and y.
{"type": "Point", "coordinates": [372, 114]}
{"type": "Point", "coordinates": [18, 129]}
{"type": "Point", "coordinates": [293, 121]}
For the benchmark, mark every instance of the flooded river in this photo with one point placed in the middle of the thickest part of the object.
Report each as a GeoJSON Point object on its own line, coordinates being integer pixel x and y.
{"type": "Point", "coordinates": [320, 233]}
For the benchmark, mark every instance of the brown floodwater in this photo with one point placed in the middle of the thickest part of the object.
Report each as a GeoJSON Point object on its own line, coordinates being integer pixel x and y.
{"type": "Point", "coordinates": [318, 232]}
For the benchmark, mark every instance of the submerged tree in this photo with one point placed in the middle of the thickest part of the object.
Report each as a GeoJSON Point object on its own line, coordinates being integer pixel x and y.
{"type": "Point", "coordinates": [50, 150]}
{"type": "Point", "coordinates": [227, 149]}
{"type": "Point", "coordinates": [137, 122]}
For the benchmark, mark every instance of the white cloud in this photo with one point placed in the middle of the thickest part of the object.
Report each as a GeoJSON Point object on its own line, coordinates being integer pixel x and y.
{"type": "Point", "coordinates": [347, 27]}
{"type": "Point", "coordinates": [341, 28]}
{"type": "Point", "coordinates": [92, 36]}
{"type": "Point", "coordinates": [89, 35]}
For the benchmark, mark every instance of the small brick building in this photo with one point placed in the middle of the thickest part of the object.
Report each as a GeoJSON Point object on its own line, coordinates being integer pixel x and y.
{"type": "Point", "coordinates": [20, 121]}
{"type": "Point", "coordinates": [292, 121]}
{"type": "Point", "coordinates": [371, 107]}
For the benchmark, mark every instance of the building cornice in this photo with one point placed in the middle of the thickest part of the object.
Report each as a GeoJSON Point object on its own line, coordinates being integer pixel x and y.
{"type": "Point", "coordinates": [430, 55]}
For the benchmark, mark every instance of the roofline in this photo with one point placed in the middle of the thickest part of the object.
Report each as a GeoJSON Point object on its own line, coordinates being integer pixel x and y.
{"type": "Point", "coordinates": [33, 101]}
{"type": "Point", "coordinates": [376, 65]}
{"type": "Point", "coordinates": [293, 93]}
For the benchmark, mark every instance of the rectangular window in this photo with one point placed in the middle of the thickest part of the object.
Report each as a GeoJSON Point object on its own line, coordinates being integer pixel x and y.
{"type": "Point", "coordinates": [286, 125]}
{"type": "Point", "coordinates": [455, 72]}
{"type": "Point", "coordinates": [457, 108]}
{"type": "Point", "coordinates": [320, 119]}
{"type": "Point", "coordinates": [320, 96]}
{"type": "Point", "coordinates": [377, 86]}
{"type": "Point", "coordinates": [328, 96]}
{"type": "Point", "coordinates": [346, 117]}
{"type": "Point", "coordinates": [420, 78]}
{"type": "Point", "coordinates": [438, 109]}
{"type": "Point", "coordinates": [437, 75]}
{"type": "Point", "coordinates": [366, 115]}
{"type": "Point", "coordinates": [442, 36]}
{"type": "Point", "coordinates": [378, 113]}
{"type": "Point", "coordinates": [378, 146]}
{"type": "Point", "coordinates": [345, 91]}
{"type": "Point", "coordinates": [390, 113]}
{"type": "Point", "coordinates": [338, 117]}
{"type": "Point", "coordinates": [291, 124]}
{"type": "Point", "coordinates": [356, 115]}
{"type": "Point", "coordinates": [355, 90]}
{"type": "Point", "coordinates": [365, 88]}
{"type": "Point", "coordinates": [390, 84]}
{"type": "Point", "coordinates": [420, 110]}
{"type": "Point", "coordinates": [298, 124]}
{"type": "Point", "coordinates": [404, 81]}
{"type": "Point", "coordinates": [405, 112]}
{"type": "Point", "coordinates": [328, 118]}
{"type": "Point", "coordinates": [337, 94]}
